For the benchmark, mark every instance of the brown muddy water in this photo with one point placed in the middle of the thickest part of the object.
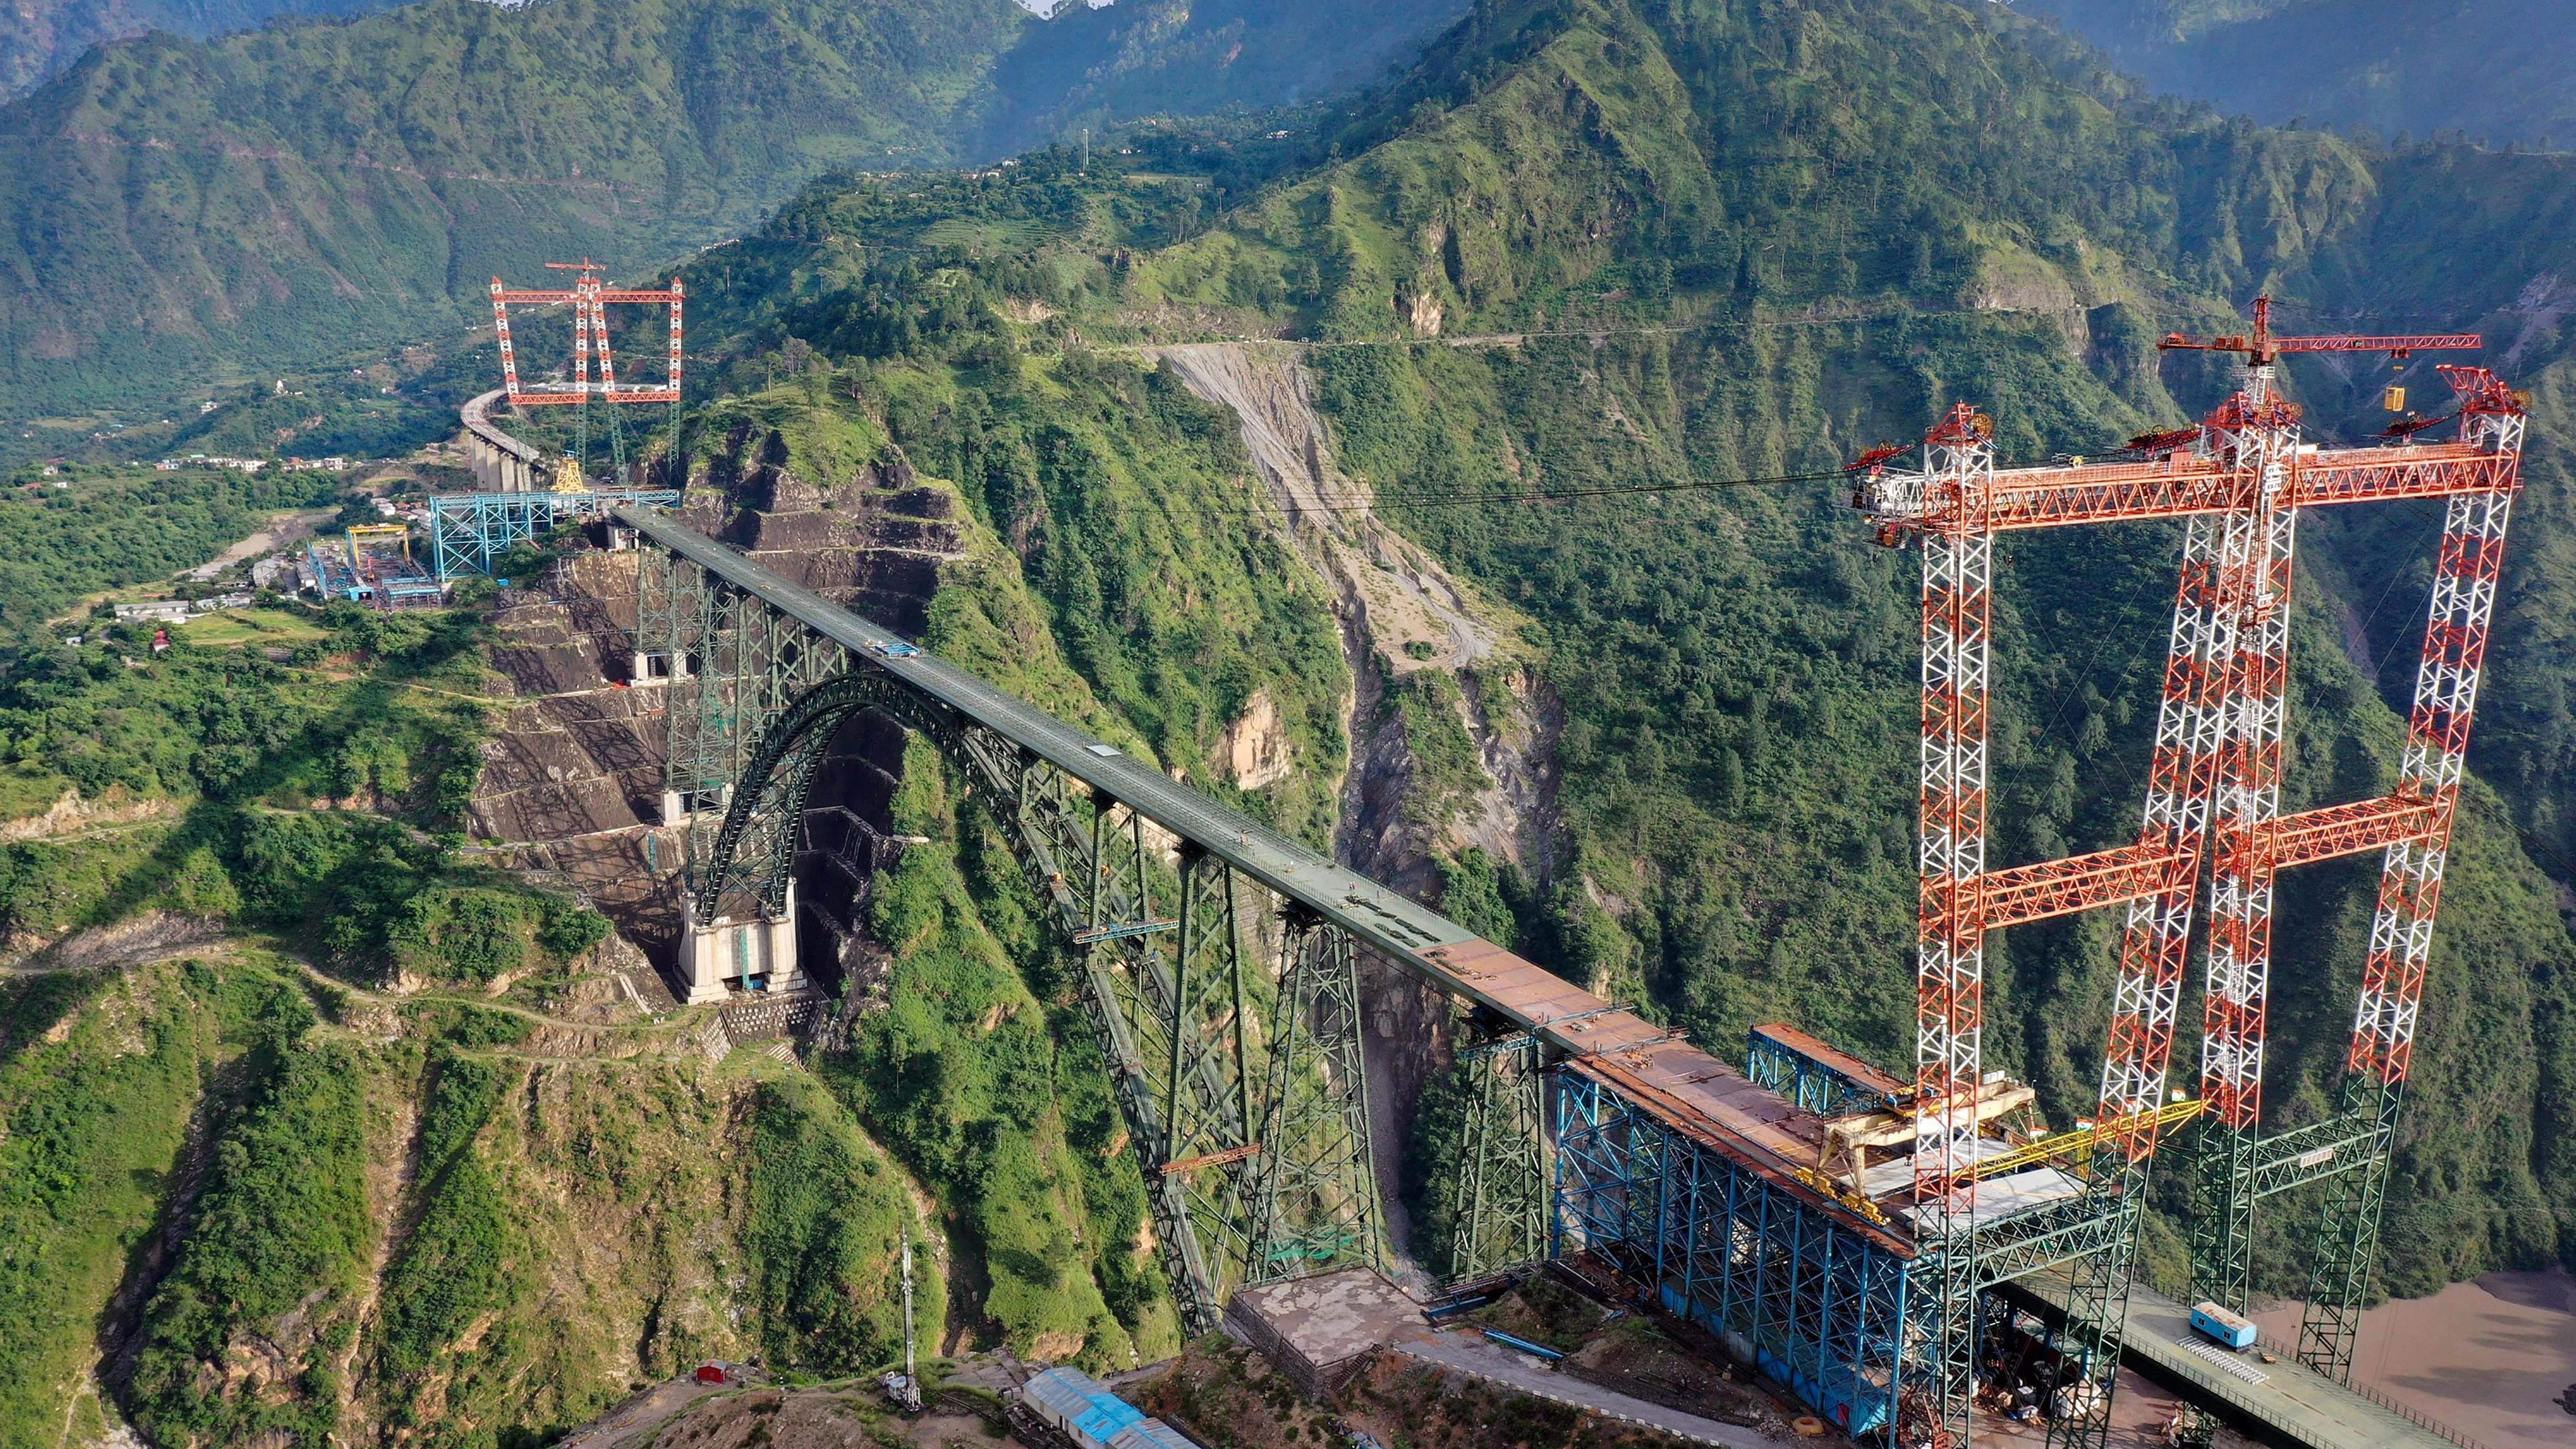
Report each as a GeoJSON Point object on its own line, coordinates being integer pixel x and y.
{"type": "Point", "coordinates": [2494, 1358]}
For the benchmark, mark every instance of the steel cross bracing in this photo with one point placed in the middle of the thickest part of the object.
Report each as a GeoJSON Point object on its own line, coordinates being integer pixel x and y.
{"type": "Point", "coordinates": [1499, 1216]}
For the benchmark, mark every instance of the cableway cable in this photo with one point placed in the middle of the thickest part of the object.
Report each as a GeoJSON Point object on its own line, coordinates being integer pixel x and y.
{"type": "Point", "coordinates": [1405, 500]}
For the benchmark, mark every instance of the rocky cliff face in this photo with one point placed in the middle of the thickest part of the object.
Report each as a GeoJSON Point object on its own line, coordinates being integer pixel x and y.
{"type": "Point", "coordinates": [1451, 728]}
{"type": "Point", "coordinates": [1401, 614]}
{"type": "Point", "coordinates": [572, 780]}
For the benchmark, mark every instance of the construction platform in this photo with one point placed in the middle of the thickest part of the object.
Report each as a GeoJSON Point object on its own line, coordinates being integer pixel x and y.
{"type": "Point", "coordinates": [2291, 1401]}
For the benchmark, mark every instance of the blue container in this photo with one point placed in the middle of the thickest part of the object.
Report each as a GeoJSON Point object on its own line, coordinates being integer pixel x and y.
{"type": "Point", "coordinates": [1080, 1405]}
{"type": "Point", "coordinates": [2222, 1325]}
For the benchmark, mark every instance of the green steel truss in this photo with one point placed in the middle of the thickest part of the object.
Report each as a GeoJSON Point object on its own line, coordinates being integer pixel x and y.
{"type": "Point", "coordinates": [2097, 1304]}
{"type": "Point", "coordinates": [1244, 1092]}
{"type": "Point", "coordinates": [1316, 1202]}
{"type": "Point", "coordinates": [2222, 1230]}
{"type": "Point", "coordinates": [2348, 1240]}
{"type": "Point", "coordinates": [1501, 1191]}
{"type": "Point", "coordinates": [2237, 1169]}
{"type": "Point", "coordinates": [2055, 1236]}
{"type": "Point", "coordinates": [2312, 1153]}
{"type": "Point", "coordinates": [471, 532]}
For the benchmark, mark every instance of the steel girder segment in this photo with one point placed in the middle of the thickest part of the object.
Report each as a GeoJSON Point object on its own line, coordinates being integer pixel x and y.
{"type": "Point", "coordinates": [2018, 895]}
{"type": "Point", "coordinates": [1500, 1213]}
{"type": "Point", "coordinates": [2465, 575]}
{"type": "Point", "coordinates": [2188, 483]}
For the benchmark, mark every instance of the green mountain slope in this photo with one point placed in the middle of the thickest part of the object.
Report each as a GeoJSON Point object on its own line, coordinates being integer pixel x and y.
{"type": "Point", "coordinates": [1680, 213]}
{"type": "Point", "coordinates": [180, 214]}
{"type": "Point", "coordinates": [1583, 244]}
{"type": "Point", "coordinates": [187, 211]}
{"type": "Point", "coordinates": [2495, 70]}
{"type": "Point", "coordinates": [1737, 761]}
{"type": "Point", "coordinates": [38, 40]}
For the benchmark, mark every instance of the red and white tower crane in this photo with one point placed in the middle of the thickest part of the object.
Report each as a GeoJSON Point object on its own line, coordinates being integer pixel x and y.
{"type": "Point", "coordinates": [594, 365]}
{"type": "Point", "coordinates": [2237, 482]}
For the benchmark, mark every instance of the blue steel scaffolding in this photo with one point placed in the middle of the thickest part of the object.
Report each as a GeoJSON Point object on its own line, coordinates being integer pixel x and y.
{"type": "Point", "coordinates": [1817, 1300]}
{"type": "Point", "coordinates": [471, 531]}
{"type": "Point", "coordinates": [1815, 1077]}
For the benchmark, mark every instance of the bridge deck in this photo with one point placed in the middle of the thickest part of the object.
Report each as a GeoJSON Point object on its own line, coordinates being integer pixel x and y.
{"type": "Point", "coordinates": [478, 421]}
{"type": "Point", "coordinates": [1684, 1086]}
{"type": "Point", "coordinates": [2293, 1401]}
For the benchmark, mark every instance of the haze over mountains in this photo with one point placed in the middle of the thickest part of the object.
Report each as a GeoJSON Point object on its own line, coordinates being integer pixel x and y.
{"type": "Point", "coordinates": [2494, 70]}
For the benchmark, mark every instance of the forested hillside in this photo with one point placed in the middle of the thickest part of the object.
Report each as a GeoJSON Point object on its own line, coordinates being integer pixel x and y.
{"type": "Point", "coordinates": [1736, 807]}
{"type": "Point", "coordinates": [1661, 739]}
{"type": "Point", "coordinates": [183, 213]}
{"type": "Point", "coordinates": [39, 39]}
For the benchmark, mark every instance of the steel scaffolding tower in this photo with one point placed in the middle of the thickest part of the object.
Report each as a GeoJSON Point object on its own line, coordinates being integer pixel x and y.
{"type": "Point", "coordinates": [2237, 1166]}
{"type": "Point", "coordinates": [470, 532]}
{"type": "Point", "coordinates": [594, 364]}
{"type": "Point", "coordinates": [2410, 883]}
{"type": "Point", "coordinates": [2238, 482]}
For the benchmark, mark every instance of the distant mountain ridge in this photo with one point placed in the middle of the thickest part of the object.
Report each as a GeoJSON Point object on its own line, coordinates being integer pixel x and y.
{"type": "Point", "coordinates": [2498, 70]}
{"type": "Point", "coordinates": [221, 211]}
{"type": "Point", "coordinates": [40, 38]}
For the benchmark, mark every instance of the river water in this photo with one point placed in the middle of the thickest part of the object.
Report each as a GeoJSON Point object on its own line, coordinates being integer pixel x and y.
{"type": "Point", "coordinates": [2494, 1358]}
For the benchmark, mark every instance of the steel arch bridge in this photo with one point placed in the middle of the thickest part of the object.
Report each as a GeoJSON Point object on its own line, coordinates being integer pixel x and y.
{"type": "Point", "coordinates": [1220, 960]}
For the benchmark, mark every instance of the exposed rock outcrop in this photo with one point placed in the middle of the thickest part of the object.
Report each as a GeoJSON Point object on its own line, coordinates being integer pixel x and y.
{"type": "Point", "coordinates": [1400, 612]}
{"type": "Point", "coordinates": [572, 781]}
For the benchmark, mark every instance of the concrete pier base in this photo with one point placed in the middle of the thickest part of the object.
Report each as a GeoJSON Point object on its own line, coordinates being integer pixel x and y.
{"type": "Point", "coordinates": [756, 954]}
{"type": "Point", "coordinates": [679, 805]}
